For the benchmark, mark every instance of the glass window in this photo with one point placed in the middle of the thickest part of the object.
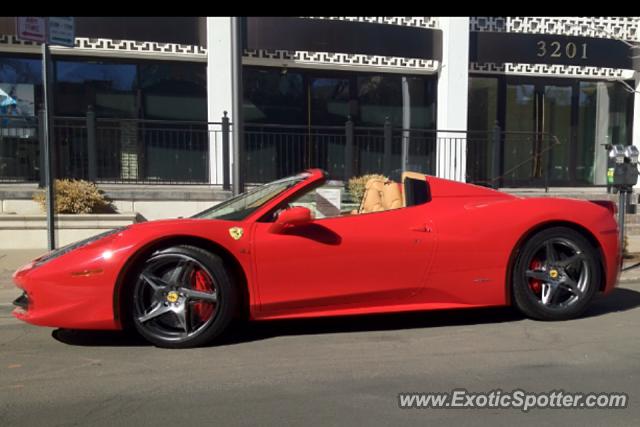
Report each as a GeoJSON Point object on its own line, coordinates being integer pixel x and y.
{"type": "Point", "coordinates": [299, 97]}
{"type": "Point", "coordinates": [483, 103]}
{"type": "Point", "coordinates": [329, 101]}
{"type": "Point", "coordinates": [20, 70]}
{"type": "Point", "coordinates": [174, 91]}
{"type": "Point", "coordinates": [408, 101]}
{"type": "Point", "coordinates": [422, 93]}
{"type": "Point", "coordinates": [482, 151]}
{"type": "Point", "coordinates": [110, 87]}
{"type": "Point", "coordinates": [20, 81]}
{"type": "Point", "coordinates": [243, 205]}
{"type": "Point", "coordinates": [20, 93]}
{"type": "Point", "coordinates": [274, 96]}
{"type": "Point", "coordinates": [605, 116]}
{"type": "Point", "coordinates": [380, 97]}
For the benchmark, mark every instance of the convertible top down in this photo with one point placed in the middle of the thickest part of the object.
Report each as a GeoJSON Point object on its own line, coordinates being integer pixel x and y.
{"type": "Point", "coordinates": [420, 244]}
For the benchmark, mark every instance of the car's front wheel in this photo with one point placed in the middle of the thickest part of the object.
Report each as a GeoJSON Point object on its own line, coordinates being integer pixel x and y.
{"type": "Point", "coordinates": [183, 297]}
{"type": "Point", "coordinates": [556, 275]}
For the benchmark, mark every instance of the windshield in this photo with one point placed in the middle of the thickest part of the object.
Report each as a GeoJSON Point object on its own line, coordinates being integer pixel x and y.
{"type": "Point", "coordinates": [241, 206]}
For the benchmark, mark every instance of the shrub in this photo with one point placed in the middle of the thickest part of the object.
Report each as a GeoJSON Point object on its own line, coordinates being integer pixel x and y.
{"type": "Point", "coordinates": [356, 185]}
{"type": "Point", "coordinates": [625, 248]}
{"type": "Point", "coordinates": [75, 197]}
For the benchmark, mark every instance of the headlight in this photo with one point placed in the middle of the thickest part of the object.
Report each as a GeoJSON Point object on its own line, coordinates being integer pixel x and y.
{"type": "Point", "coordinates": [68, 248]}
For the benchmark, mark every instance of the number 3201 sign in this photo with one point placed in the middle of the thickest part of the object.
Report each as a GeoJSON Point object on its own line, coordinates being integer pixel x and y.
{"type": "Point", "coordinates": [555, 49]}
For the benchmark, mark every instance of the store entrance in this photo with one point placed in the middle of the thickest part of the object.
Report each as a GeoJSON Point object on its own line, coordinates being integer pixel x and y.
{"type": "Point", "coordinates": [533, 111]}
{"type": "Point", "coordinates": [583, 114]}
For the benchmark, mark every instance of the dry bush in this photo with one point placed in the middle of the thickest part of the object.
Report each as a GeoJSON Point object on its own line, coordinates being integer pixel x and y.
{"type": "Point", "coordinates": [356, 185]}
{"type": "Point", "coordinates": [625, 248]}
{"type": "Point", "coordinates": [75, 197]}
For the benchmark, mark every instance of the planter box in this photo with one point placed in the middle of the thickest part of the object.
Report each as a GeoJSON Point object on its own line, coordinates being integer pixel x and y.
{"type": "Point", "coordinates": [30, 231]}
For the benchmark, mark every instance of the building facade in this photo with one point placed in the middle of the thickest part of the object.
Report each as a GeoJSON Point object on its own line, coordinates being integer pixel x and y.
{"type": "Point", "coordinates": [503, 101]}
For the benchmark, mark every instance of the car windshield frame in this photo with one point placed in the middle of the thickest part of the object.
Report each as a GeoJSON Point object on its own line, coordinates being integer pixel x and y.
{"type": "Point", "coordinates": [243, 205]}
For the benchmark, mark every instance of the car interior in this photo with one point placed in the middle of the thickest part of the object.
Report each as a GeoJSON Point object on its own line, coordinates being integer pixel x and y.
{"type": "Point", "coordinates": [381, 195]}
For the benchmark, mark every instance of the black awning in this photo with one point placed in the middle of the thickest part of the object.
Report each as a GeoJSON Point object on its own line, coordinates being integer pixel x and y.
{"type": "Point", "coordinates": [336, 36]}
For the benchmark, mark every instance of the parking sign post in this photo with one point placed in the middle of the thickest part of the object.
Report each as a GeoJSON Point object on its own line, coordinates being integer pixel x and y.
{"type": "Point", "coordinates": [47, 146]}
{"type": "Point", "coordinates": [59, 30]}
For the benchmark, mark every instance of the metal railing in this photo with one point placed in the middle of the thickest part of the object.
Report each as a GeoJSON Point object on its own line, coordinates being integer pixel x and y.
{"type": "Point", "coordinates": [180, 152]}
{"type": "Point", "coordinates": [118, 151]}
{"type": "Point", "coordinates": [19, 149]}
{"type": "Point", "coordinates": [493, 158]}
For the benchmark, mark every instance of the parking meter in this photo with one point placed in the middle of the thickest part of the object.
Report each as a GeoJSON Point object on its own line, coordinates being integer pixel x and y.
{"type": "Point", "coordinates": [622, 176]}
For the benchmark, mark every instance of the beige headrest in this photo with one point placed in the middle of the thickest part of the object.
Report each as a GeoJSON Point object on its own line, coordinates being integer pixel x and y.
{"type": "Point", "coordinates": [380, 196]}
{"type": "Point", "coordinates": [391, 195]}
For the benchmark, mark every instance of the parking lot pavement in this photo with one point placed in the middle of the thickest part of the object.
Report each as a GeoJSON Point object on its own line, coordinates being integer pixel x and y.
{"type": "Point", "coordinates": [339, 371]}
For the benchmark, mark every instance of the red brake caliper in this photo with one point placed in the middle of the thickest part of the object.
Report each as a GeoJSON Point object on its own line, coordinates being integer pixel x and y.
{"type": "Point", "coordinates": [535, 284]}
{"type": "Point", "coordinates": [201, 282]}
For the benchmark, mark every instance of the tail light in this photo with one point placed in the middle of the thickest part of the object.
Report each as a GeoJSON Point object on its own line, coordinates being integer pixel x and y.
{"type": "Point", "coordinates": [611, 206]}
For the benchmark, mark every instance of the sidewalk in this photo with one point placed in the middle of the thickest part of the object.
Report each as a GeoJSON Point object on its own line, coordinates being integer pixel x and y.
{"type": "Point", "coordinates": [10, 261]}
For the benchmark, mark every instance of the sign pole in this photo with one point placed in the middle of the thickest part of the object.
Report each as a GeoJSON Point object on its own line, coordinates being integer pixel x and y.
{"type": "Point", "coordinates": [48, 146]}
{"type": "Point", "coordinates": [59, 30]}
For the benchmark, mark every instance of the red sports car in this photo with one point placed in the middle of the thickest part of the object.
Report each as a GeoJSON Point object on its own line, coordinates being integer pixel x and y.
{"type": "Point", "coordinates": [423, 243]}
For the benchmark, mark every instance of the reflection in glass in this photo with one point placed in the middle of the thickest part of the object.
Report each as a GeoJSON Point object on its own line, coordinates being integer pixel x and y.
{"type": "Point", "coordinates": [20, 93]}
{"type": "Point", "coordinates": [408, 101]}
{"type": "Point", "coordinates": [273, 96]}
{"type": "Point", "coordinates": [557, 122]}
{"type": "Point", "coordinates": [482, 151]}
{"type": "Point", "coordinates": [380, 97]}
{"type": "Point", "coordinates": [409, 104]}
{"type": "Point", "coordinates": [174, 91]}
{"type": "Point", "coordinates": [329, 103]}
{"type": "Point", "coordinates": [605, 115]}
{"type": "Point", "coordinates": [299, 105]}
{"type": "Point", "coordinates": [518, 151]}
{"type": "Point", "coordinates": [109, 87]}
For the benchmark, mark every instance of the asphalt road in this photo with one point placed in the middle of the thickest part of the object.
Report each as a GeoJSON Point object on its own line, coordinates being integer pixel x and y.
{"type": "Point", "coordinates": [345, 371]}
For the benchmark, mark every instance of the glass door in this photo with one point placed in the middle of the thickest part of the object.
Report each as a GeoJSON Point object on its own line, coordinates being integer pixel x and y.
{"type": "Point", "coordinates": [534, 112]}
{"type": "Point", "coordinates": [519, 141]}
{"type": "Point", "coordinates": [556, 122]}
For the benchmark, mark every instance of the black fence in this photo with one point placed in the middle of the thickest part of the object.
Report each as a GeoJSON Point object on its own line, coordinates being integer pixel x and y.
{"type": "Point", "coordinates": [180, 152]}
{"type": "Point", "coordinates": [493, 158]}
{"type": "Point", "coordinates": [113, 150]}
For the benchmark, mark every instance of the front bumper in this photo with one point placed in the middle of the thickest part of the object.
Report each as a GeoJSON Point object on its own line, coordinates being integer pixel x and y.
{"type": "Point", "coordinates": [56, 295]}
{"type": "Point", "coordinates": [22, 301]}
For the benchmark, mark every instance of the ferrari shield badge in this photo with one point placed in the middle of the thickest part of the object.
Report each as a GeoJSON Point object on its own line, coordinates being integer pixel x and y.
{"type": "Point", "coordinates": [236, 232]}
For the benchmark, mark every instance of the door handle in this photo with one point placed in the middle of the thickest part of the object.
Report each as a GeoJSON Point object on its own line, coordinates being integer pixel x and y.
{"type": "Point", "coordinates": [421, 228]}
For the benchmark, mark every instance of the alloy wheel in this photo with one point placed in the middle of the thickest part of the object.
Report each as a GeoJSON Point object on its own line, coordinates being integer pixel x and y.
{"type": "Point", "coordinates": [175, 297]}
{"type": "Point", "coordinates": [558, 273]}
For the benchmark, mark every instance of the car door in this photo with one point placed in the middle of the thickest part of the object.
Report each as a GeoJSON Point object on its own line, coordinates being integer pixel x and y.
{"type": "Point", "coordinates": [354, 260]}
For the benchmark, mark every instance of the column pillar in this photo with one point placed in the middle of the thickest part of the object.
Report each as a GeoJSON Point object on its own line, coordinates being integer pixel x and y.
{"type": "Point", "coordinates": [635, 135]}
{"type": "Point", "coordinates": [453, 82]}
{"type": "Point", "coordinates": [218, 88]}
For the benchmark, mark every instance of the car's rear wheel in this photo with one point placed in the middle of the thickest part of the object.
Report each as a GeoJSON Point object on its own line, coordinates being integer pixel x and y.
{"type": "Point", "coordinates": [556, 275]}
{"type": "Point", "coordinates": [183, 297]}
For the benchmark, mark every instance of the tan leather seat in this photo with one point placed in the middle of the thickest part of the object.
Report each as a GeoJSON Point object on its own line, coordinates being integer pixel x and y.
{"type": "Point", "coordinates": [372, 200]}
{"type": "Point", "coordinates": [391, 196]}
{"type": "Point", "coordinates": [380, 196]}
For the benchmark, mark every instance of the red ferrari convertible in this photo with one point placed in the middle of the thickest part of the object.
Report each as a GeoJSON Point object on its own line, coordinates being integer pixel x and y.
{"type": "Point", "coordinates": [423, 243]}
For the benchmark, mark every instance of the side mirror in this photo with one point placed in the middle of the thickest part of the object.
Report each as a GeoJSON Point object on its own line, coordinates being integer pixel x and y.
{"type": "Point", "coordinates": [291, 217]}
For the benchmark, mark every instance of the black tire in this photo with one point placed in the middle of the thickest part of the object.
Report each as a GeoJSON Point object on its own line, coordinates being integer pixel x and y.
{"type": "Point", "coordinates": [543, 287]}
{"type": "Point", "coordinates": [167, 306]}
